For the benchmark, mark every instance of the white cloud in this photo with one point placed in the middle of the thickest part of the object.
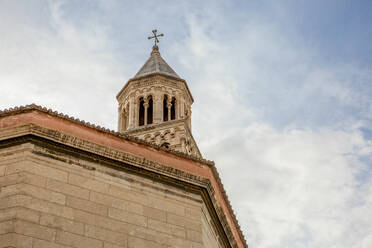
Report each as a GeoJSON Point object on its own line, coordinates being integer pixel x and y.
{"type": "Point", "coordinates": [58, 66]}
{"type": "Point", "coordinates": [296, 185]}
{"type": "Point", "coordinates": [282, 124]}
{"type": "Point", "coordinates": [292, 185]}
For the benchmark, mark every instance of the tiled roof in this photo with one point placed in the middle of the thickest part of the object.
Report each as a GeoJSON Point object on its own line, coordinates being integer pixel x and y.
{"type": "Point", "coordinates": [156, 64]}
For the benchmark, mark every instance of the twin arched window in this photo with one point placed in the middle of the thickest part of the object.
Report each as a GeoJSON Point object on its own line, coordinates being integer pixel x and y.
{"type": "Point", "coordinates": [169, 108]}
{"type": "Point", "coordinates": [146, 110]}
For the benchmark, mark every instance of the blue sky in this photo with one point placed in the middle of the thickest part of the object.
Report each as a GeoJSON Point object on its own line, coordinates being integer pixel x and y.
{"type": "Point", "coordinates": [282, 89]}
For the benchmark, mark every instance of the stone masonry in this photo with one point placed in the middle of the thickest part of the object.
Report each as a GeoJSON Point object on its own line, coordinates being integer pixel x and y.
{"type": "Point", "coordinates": [50, 203]}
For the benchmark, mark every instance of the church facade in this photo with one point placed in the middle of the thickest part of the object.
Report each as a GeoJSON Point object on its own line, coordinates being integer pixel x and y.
{"type": "Point", "coordinates": [67, 183]}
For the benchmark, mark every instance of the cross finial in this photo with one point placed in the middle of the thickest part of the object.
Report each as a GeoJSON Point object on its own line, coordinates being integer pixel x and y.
{"type": "Point", "coordinates": [155, 36]}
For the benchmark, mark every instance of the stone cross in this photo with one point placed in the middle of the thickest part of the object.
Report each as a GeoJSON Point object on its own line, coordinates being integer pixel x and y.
{"type": "Point", "coordinates": [155, 36]}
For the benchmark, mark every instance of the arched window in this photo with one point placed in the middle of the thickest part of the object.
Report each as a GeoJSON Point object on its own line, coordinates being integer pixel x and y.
{"type": "Point", "coordinates": [165, 108]}
{"type": "Point", "coordinates": [173, 109]}
{"type": "Point", "coordinates": [149, 110]}
{"type": "Point", "coordinates": [141, 119]}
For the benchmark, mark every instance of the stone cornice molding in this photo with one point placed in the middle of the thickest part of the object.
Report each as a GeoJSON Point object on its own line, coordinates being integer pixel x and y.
{"type": "Point", "coordinates": [33, 107]}
{"type": "Point", "coordinates": [154, 76]}
{"type": "Point", "coordinates": [165, 124]}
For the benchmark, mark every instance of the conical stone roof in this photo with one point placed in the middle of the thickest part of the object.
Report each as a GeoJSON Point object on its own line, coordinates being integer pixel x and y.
{"type": "Point", "coordinates": [156, 65]}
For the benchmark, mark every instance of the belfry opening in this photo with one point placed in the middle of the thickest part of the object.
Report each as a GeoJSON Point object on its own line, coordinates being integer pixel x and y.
{"type": "Point", "coordinates": [149, 110]}
{"type": "Point", "coordinates": [165, 108]}
{"type": "Point", "coordinates": [141, 119]}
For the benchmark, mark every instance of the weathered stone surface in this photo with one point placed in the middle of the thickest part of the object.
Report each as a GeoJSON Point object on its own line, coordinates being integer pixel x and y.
{"type": "Point", "coordinates": [134, 242]}
{"type": "Point", "coordinates": [7, 227]}
{"type": "Point", "coordinates": [11, 240]}
{"type": "Point", "coordinates": [128, 217]}
{"type": "Point", "coordinates": [62, 224]}
{"type": "Point", "coordinates": [67, 189]}
{"type": "Point", "coordinates": [77, 241]}
{"type": "Point", "coordinates": [85, 205]}
{"type": "Point", "coordinates": [34, 230]}
{"type": "Point", "coordinates": [106, 235]}
{"type": "Point", "coordinates": [61, 210]}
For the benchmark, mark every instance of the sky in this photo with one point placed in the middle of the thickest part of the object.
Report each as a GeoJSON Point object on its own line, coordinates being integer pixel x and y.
{"type": "Point", "coordinates": [282, 89]}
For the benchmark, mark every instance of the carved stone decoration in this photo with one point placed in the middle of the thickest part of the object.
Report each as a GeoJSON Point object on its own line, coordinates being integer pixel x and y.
{"type": "Point", "coordinates": [166, 119]}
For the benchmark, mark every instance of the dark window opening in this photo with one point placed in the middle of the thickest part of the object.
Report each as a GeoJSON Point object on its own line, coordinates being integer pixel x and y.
{"type": "Point", "coordinates": [173, 109]}
{"type": "Point", "coordinates": [149, 111]}
{"type": "Point", "coordinates": [165, 145]}
{"type": "Point", "coordinates": [165, 109]}
{"type": "Point", "coordinates": [141, 119]}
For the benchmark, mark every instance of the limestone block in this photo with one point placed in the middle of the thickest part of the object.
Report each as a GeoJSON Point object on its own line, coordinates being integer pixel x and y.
{"type": "Point", "coordinates": [77, 241]}
{"type": "Point", "coordinates": [134, 242]}
{"type": "Point", "coordinates": [67, 189]}
{"type": "Point", "coordinates": [128, 217]}
{"type": "Point", "coordinates": [2, 170]}
{"type": "Point", "coordinates": [37, 169]}
{"type": "Point", "coordinates": [106, 235]}
{"type": "Point", "coordinates": [42, 194]}
{"type": "Point", "coordinates": [38, 243]}
{"type": "Point", "coordinates": [61, 224]}
{"type": "Point", "coordinates": [125, 194]}
{"type": "Point", "coordinates": [194, 236]}
{"type": "Point", "coordinates": [88, 183]}
{"type": "Point", "coordinates": [167, 228]}
{"type": "Point", "coordinates": [11, 240]}
{"type": "Point", "coordinates": [109, 245]}
{"type": "Point", "coordinates": [154, 213]}
{"type": "Point", "coordinates": [8, 214]}
{"type": "Point", "coordinates": [34, 230]}
{"type": "Point", "coordinates": [183, 221]}
{"type": "Point", "coordinates": [27, 214]}
{"type": "Point", "coordinates": [86, 205]}
{"type": "Point", "coordinates": [50, 208]}
{"type": "Point", "coordinates": [7, 226]}
{"type": "Point", "coordinates": [108, 200]}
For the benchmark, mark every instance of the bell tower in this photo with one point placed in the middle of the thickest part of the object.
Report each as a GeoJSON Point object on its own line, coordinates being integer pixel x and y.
{"type": "Point", "coordinates": [155, 106]}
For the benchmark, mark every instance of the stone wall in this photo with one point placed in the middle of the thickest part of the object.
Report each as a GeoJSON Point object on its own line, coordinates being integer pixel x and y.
{"type": "Point", "coordinates": [45, 202]}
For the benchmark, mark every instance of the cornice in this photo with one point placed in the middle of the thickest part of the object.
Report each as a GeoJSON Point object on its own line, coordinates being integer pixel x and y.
{"type": "Point", "coordinates": [152, 75]}
{"type": "Point", "coordinates": [153, 126]}
{"type": "Point", "coordinates": [33, 107]}
{"type": "Point", "coordinates": [165, 124]}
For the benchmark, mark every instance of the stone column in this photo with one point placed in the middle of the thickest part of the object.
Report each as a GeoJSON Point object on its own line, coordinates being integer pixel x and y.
{"type": "Point", "coordinates": [181, 104]}
{"type": "Point", "coordinates": [169, 105]}
{"type": "Point", "coordinates": [132, 112]}
{"type": "Point", "coordinates": [189, 118]}
{"type": "Point", "coordinates": [146, 106]}
{"type": "Point", "coordinates": [177, 107]}
{"type": "Point", "coordinates": [157, 108]}
{"type": "Point", "coordinates": [120, 119]}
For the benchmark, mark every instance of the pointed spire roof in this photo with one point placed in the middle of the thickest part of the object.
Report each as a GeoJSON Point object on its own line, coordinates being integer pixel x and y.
{"type": "Point", "coordinates": [156, 65]}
